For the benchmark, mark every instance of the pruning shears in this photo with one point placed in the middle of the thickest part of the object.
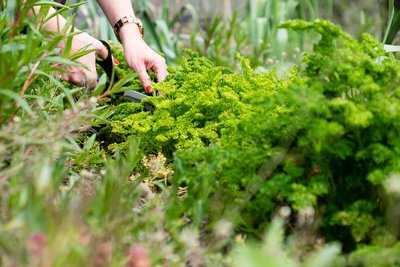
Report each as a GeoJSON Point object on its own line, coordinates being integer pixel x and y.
{"type": "Point", "coordinates": [130, 95]}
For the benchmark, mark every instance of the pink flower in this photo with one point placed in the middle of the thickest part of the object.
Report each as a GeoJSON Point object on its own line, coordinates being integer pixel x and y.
{"type": "Point", "coordinates": [36, 245]}
{"type": "Point", "coordinates": [138, 257]}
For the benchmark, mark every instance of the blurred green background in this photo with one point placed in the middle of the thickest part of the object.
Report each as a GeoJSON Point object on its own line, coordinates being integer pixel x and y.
{"type": "Point", "coordinates": [222, 29]}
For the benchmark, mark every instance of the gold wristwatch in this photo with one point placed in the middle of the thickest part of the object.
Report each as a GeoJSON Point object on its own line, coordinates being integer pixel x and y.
{"type": "Point", "coordinates": [128, 20]}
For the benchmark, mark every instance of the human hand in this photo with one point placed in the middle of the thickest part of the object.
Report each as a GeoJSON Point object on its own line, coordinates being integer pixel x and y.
{"type": "Point", "coordinates": [86, 74]}
{"type": "Point", "coordinates": [141, 58]}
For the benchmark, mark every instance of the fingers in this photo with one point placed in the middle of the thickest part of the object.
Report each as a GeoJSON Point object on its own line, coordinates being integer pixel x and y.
{"type": "Point", "coordinates": [80, 77]}
{"type": "Point", "coordinates": [88, 81]}
{"type": "Point", "coordinates": [91, 80]}
{"type": "Point", "coordinates": [85, 74]}
{"type": "Point", "coordinates": [160, 68]}
{"type": "Point", "coordinates": [144, 78]}
{"type": "Point", "coordinates": [77, 78]}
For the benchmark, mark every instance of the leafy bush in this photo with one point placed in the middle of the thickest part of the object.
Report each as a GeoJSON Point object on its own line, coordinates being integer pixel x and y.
{"type": "Point", "coordinates": [323, 139]}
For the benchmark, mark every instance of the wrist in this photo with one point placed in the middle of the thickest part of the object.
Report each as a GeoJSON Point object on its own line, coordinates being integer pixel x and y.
{"type": "Point", "coordinates": [129, 32]}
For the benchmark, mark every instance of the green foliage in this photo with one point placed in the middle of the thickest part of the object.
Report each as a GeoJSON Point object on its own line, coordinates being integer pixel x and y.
{"type": "Point", "coordinates": [393, 23]}
{"type": "Point", "coordinates": [275, 252]}
{"type": "Point", "coordinates": [88, 185]}
{"type": "Point", "coordinates": [245, 144]}
{"type": "Point", "coordinates": [375, 256]}
{"type": "Point", "coordinates": [28, 53]}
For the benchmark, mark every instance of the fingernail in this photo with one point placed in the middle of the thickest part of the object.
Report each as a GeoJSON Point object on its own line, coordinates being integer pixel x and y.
{"type": "Point", "coordinates": [148, 89]}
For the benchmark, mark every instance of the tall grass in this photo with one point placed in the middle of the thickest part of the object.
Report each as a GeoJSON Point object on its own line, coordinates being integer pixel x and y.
{"type": "Point", "coordinates": [255, 33]}
{"type": "Point", "coordinates": [393, 25]}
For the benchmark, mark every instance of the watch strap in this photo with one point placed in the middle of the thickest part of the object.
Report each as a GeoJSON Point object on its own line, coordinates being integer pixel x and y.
{"type": "Point", "coordinates": [128, 20]}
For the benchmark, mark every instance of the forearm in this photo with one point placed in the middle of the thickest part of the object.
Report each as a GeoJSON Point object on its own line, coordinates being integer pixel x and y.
{"type": "Point", "coordinates": [58, 24]}
{"type": "Point", "coordinates": [115, 10]}
{"type": "Point", "coordinates": [55, 24]}
{"type": "Point", "coordinates": [139, 56]}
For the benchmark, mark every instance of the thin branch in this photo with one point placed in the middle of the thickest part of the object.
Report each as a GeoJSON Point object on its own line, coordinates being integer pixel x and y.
{"type": "Point", "coordinates": [29, 80]}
